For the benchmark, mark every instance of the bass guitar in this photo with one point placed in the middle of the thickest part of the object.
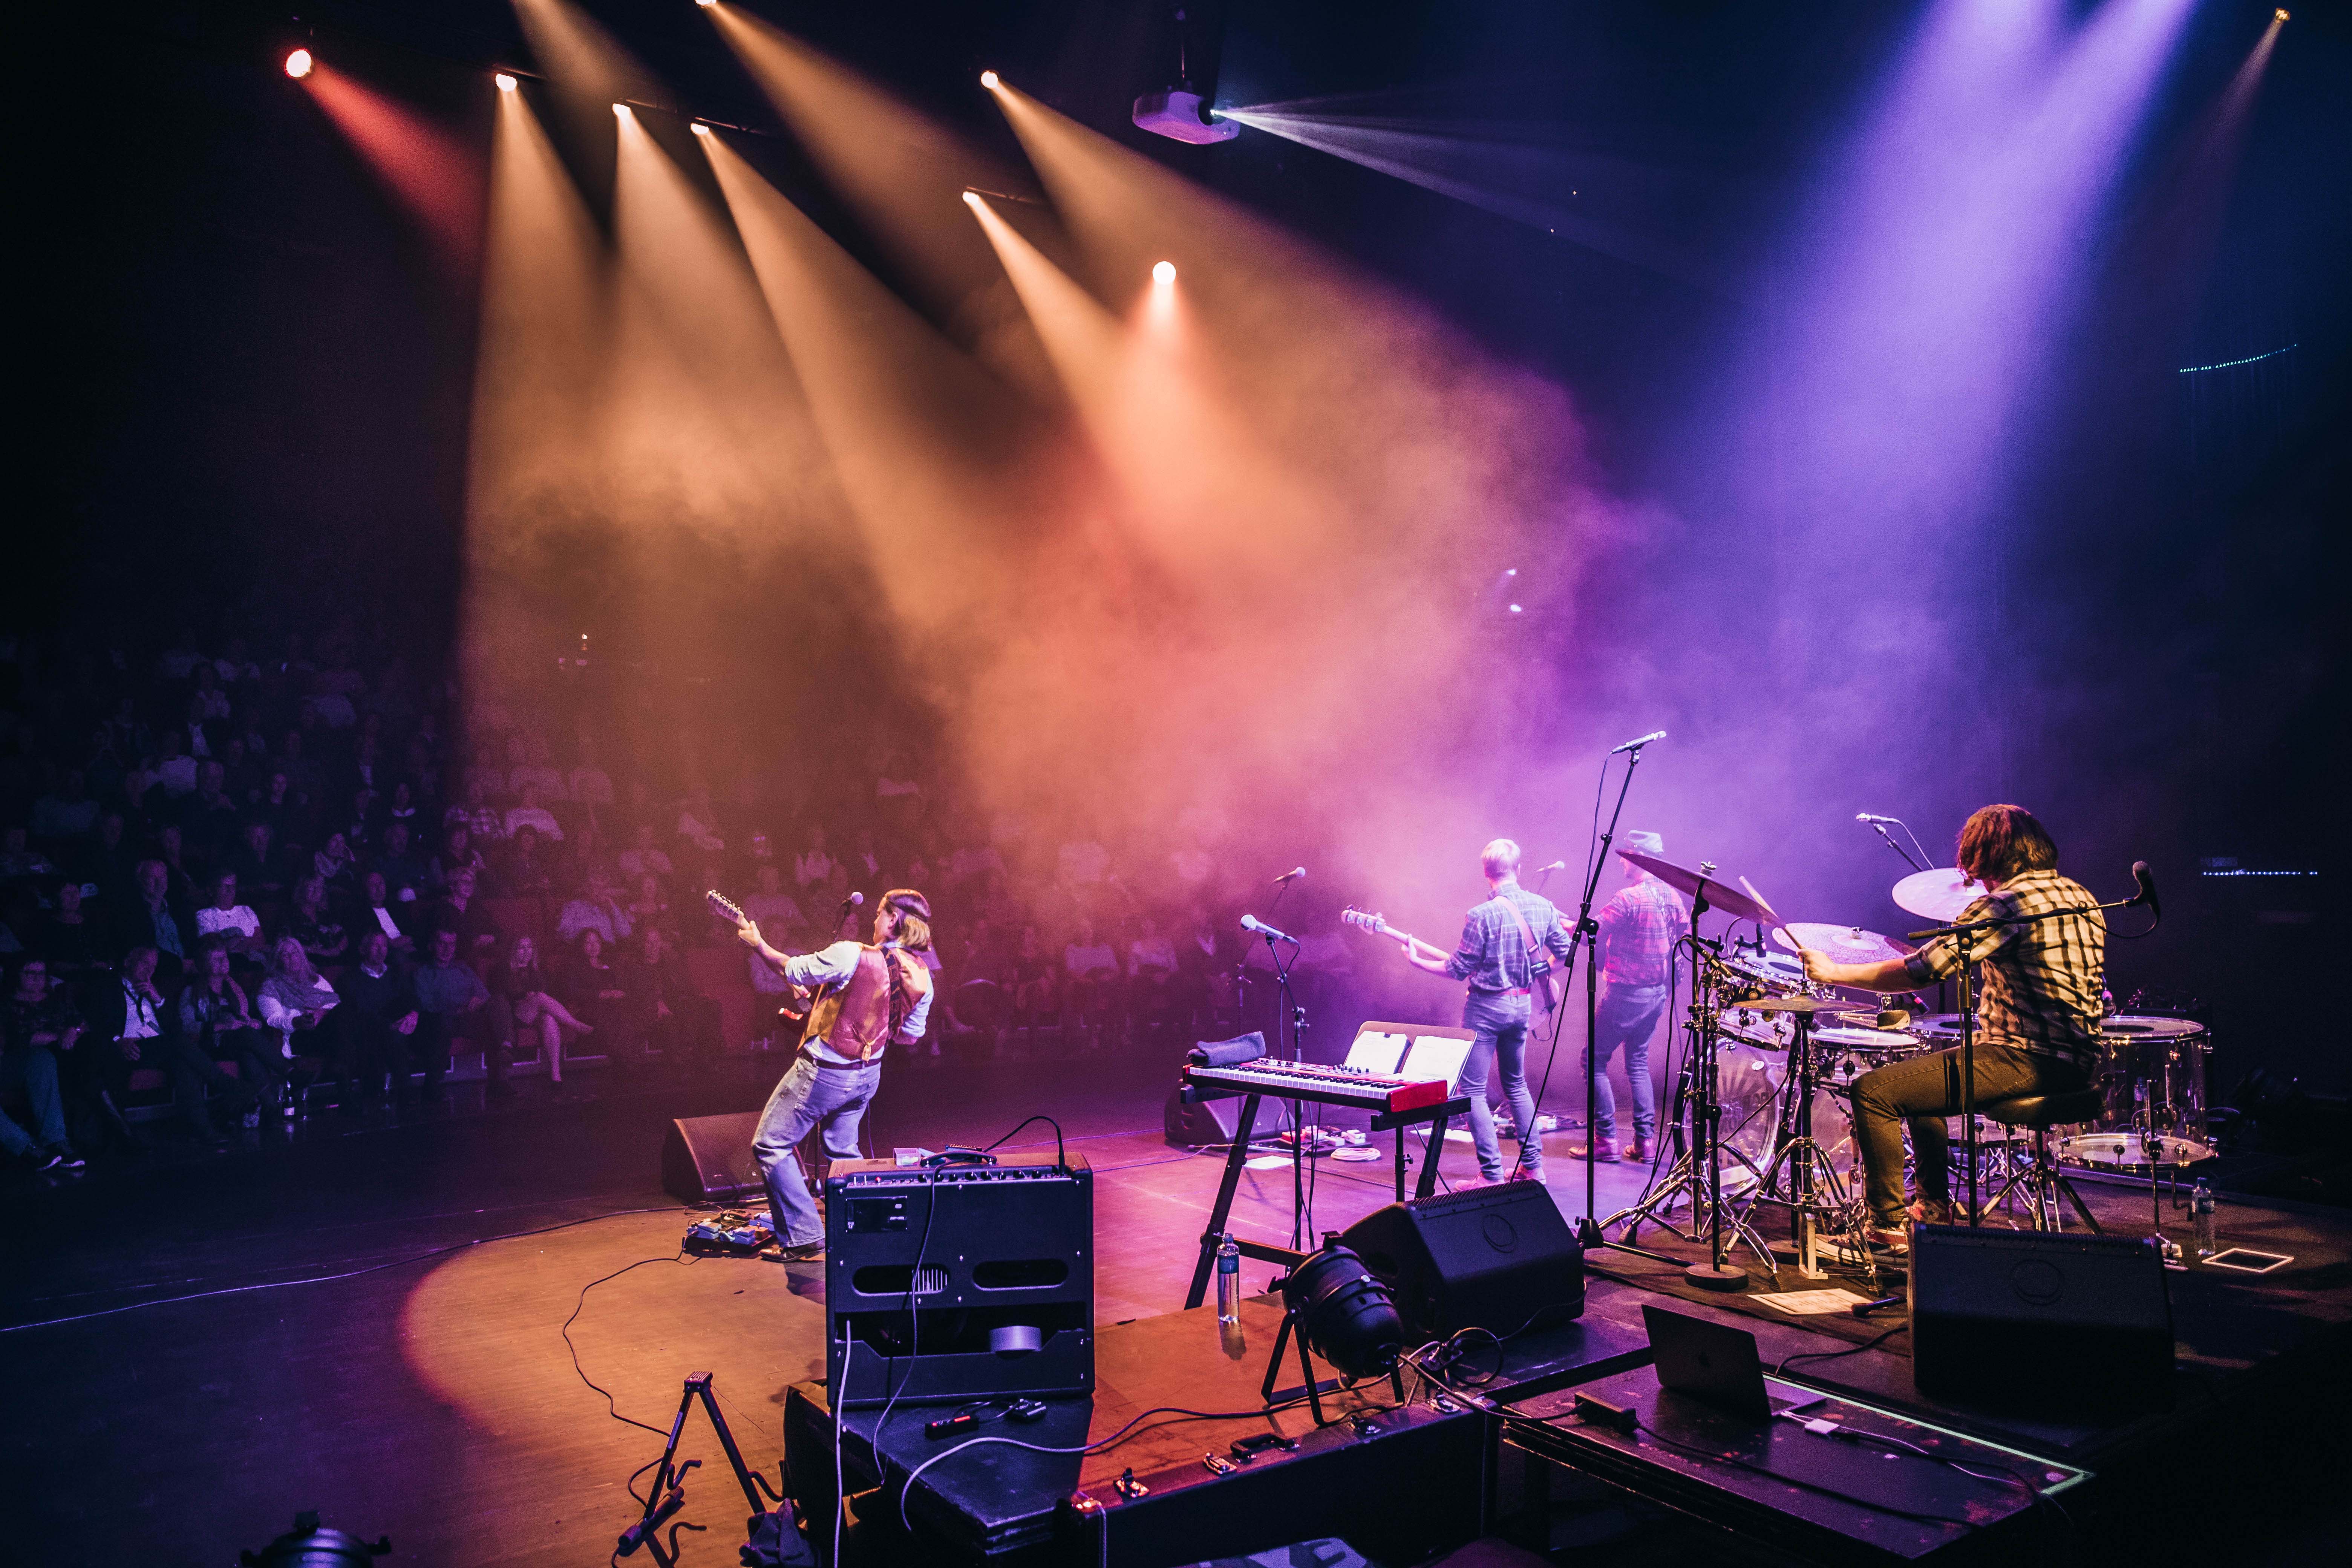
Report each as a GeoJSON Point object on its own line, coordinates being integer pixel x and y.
{"type": "Point", "coordinates": [1547, 985]}
{"type": "Point", "coordinates": [795, 1010]}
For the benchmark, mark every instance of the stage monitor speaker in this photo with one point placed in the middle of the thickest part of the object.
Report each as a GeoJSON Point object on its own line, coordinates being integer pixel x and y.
{"type": "Point", "coordinates": [1210, 1122]}
{"type": "Point", "coordinates": [2029, 1319]}
{"type": "Point", "coordinates": [708, 1159]}
{"type": "Point", "coordinates": [996, 1260]}
{"type": "Point", "coordinates": [1501, 1258]}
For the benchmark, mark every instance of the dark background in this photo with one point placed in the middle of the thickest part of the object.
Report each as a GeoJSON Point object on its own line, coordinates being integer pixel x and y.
{"type": "Point", "coordinates": [246, 375]}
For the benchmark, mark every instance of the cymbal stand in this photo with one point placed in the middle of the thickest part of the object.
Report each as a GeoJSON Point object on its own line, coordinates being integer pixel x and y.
{"type": "Point", "coordinates": [1701, 1165]}
{"type": "Point", "coordinates": [1814, 1187]}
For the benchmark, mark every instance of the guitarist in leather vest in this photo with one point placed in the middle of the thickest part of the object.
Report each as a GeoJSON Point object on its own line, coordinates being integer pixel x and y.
{"type": "Point", "coordinates": [1502, 955]}
{"type": "Point", "coordinates": [868, 995]}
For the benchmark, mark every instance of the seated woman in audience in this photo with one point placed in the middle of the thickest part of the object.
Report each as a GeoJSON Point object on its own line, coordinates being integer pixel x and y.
{"type": "Point", "coordinates": [528, 869]}
{"type": "Point", "coordinates": [458, 853]}
{"type": "Point", "coordinates": [214, 1014]}
{"type": "Point", "coordinates": [650, 908]}
{"type": "Point", "coordinates": [593, 988]}
{"type": "Point", "coordinates": [336, 865]}
{"type": "Point", "coordinates": [313, 925]}
{"type": "Point", "coordinates": [1036, 982]}
{"type": "Point", "coordinates": [69, 940]}
{"type": "Point", "coordinates": [1090, 985]}
{"type": "Point", "coordinates": [297, 1002]}
{"type": "Point", "coordinates": [534, 1003]}
{"type": "Point", "coordinates": [463, 911]}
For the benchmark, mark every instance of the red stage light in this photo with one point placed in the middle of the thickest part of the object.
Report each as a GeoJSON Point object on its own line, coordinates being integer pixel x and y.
{"type": "Point", "coordinates": [298, 64]}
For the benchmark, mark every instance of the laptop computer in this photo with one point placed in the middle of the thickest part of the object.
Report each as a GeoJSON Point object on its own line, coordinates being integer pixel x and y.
{"type": "Point", "coordinates": [1713, 1363]}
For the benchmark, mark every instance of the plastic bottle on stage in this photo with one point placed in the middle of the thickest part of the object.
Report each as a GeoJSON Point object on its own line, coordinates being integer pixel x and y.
{"type": "Point", "coordinates": [2201, 1206]}
{"type": "Point", "coordinates": [1229, 1280]}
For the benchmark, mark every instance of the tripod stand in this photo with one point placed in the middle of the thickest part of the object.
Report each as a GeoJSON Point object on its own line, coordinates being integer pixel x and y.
{"type": "Point", "coordinates": [1699, 1166]}
{"type": "Point", "coordinates": [1815, 1185]}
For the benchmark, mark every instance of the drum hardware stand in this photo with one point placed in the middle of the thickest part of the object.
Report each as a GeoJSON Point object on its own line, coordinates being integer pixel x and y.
{"type": "Point", "coordinates": [1704, 1156]}
{"type": "Point", "coordinates": [1814, 1187]}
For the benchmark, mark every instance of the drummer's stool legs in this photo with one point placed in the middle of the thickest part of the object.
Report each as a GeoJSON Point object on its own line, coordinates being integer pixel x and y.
{"type": "Point", "coordinates": [2041, 1182]}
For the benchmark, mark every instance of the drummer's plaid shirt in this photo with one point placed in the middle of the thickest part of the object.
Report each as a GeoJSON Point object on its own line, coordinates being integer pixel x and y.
{"type": "Point", "coordinates": [2044, 984]}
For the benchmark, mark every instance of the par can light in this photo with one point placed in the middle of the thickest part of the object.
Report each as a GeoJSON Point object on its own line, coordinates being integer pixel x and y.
{"type": "Point", "coordinates": [506, 83]}
{"type": "Point", "coordinates": [299, 63]}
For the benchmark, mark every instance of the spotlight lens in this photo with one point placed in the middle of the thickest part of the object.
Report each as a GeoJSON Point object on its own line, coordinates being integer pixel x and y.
{"type": "Point", "coordinates": [700, 129]}
{"type": "Point", "coordinates": [706, 5]}
{"type": "Point", "coordinates": [2280, 13]}
{"type": "Point", "coordinates": [988, 78]}
{"type": "Point", "coordinates": [971, 198]}
{"type": "Point", "coordinates": [1515, 609]}
{"type": "Point", "coordinates": [298, 64]}
{"type": "Point", "coordinates": [506, 83]}
{"type": "Point", "coordinates": [1164, 273]}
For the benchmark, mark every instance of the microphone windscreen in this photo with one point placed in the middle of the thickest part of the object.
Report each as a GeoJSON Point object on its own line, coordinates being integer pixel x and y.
{"type": "Point", "coordinates": [856, 899]}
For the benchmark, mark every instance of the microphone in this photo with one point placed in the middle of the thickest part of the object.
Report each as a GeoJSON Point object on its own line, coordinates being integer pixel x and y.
{"type": "Point", "coordinates": [1865, 816]}
{"type": "Point", "coordinates": [1637, 745]}
{"type": "Point", "coordinates": [1251, 922]}
{"type": "Point", "coordinates": [1555, 866]}
{"type": "Point", "coordinates": [2147, 894]}
{"type": "Point", "coordinates": [1290, 876]}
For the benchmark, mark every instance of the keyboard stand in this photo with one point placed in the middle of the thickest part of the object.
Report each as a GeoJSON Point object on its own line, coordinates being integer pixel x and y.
{"type": "Point", "coordinates": [1394, 1121]}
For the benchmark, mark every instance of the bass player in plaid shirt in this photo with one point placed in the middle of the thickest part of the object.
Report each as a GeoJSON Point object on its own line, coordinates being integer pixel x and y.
{"type": "Point", "coordinates": [1502, 942]}
{"type": "Point", "coordinates": [1639, 928]}
{"type": "Point", "coordinates": [2038, 1013]}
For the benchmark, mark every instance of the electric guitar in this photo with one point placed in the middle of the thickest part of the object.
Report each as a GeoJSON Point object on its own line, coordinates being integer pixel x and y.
{"type": "Point", "coordinates": [800, 998]}
{"type": "Point", "coordinates": [1546, 987]}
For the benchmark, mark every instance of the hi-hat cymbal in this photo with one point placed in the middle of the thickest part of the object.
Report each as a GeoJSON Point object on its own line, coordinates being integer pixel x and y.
{"type": "Point", "coordinates": [1942, 895]}
{"type": "Point", "coordinates": [1843, 944]}
{"type": "Point", "coordinates": [1722, 896]}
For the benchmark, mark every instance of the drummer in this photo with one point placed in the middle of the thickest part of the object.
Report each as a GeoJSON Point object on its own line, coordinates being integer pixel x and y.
{"type": "Point", "coordinates": [2038, 1013]}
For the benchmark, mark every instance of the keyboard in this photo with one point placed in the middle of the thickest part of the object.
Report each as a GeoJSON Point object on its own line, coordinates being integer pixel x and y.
{"type": "Point", "coordinates": [1359, 1088]}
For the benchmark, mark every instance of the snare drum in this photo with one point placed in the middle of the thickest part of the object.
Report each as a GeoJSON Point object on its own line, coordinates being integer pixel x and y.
{"type": "Point", "coordinates": [1765, 1031]}
{"type": "Point", "coordinates": [1777, 974]}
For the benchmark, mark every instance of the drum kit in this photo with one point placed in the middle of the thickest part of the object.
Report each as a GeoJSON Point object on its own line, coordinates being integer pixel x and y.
{"type": "Point", "coordinates": [1762, 1115]}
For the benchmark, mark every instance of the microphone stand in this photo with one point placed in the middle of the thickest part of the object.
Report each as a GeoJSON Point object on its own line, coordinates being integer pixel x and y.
{"type": "Point", "coordinates": [1880, 828]}
{"type": "Point", "coordinates": [1587, 934]}
{"type": "Point", "coordinates": [1287, 1004]}
{"type": "Point", "coordinates": [1966, 933]}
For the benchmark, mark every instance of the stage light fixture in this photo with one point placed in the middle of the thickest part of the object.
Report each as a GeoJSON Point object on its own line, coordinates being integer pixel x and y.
{"type": "Point", "coordinates": [706, 5]}
{"type": "Point", "coordinates": [1344, 1315]}
{"type": "Point", "coordinates": [621, 110]}
{"type": "Point", "coordinates": [506, 83]}
{"type": "Point", "coordinates": [1164, 273]}
{"type": "Point", "coordinates": [989, 79]}
{"type": "Point", "coordinates": [1515, 609]}
{"type": "Point", "coordinates": [298, 64]}
{"type": "Point", "coordinates": [700, 129]}
{"type": "Point", "coordinates": [2279, 15]}
{"type": "Point", "coordinates": [971, 200]}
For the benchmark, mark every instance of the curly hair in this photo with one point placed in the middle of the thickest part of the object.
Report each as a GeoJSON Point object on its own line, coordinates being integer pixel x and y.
{"type": "Point", "coordinates": [1999, 842]}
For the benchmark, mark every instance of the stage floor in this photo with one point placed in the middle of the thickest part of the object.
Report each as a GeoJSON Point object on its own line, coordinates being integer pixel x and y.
{"type": "Point", "coordinates": [430, 1394]}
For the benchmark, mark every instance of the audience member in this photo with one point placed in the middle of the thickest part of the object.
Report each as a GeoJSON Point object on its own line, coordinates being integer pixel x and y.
{"type": "Point", "coordinates": [454, 1005]}
{"type": "Point", "coordinates": [533, 1005]}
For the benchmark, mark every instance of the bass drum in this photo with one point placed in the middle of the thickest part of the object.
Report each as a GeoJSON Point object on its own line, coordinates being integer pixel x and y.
{"type": "Point", "coordinates": [2152, 1083]}
{"type": "Point", "coordinates": [1749, 1082]}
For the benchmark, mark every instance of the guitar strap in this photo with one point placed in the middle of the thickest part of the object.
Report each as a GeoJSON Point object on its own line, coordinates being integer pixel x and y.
{"type": "Point", "coordinates": [1541, 980]}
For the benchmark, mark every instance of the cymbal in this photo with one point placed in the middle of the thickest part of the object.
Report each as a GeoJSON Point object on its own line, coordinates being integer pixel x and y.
{"type": "Point", "coordinates": [1845, 944]}
{"type": "Point", "coordinates": [1722, 896]}
{"type": "Point", "coordinates": [1794, 1005]}
{"type": "Point", "coordinates": [1942, 895]}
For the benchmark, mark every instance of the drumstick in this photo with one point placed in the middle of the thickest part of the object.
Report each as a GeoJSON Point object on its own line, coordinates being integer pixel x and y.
{"type": "Point", "coordinates": [1768, 910]}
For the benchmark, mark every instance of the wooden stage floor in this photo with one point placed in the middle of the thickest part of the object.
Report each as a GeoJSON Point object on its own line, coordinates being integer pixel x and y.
{"type": "Point", "coordinates": [429, 1393]}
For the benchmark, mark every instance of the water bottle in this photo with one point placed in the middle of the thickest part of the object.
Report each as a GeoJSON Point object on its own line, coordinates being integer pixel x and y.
{"type": "Point", "coordinates": [2200, 1207]}
{"type": "Point", "coordinates": [1229, 1280]}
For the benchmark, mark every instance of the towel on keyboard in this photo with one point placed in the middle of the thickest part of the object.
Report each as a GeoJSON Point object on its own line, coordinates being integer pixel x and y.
{"type": "Point", "coordinates": [1228, 1053]}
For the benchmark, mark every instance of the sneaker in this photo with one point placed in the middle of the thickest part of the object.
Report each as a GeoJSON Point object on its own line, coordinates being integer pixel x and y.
{"type": "Point", "coordinates": [63, 1158]}
{"type": "Point", "coordinates": [39, 1160]}
{"type": "Point", "coordinates": [807, 1252]}
{"type": "Point", "coordinates": [1527, 1174]}
{"type": "Point", "coordinates": [1891, 1239]}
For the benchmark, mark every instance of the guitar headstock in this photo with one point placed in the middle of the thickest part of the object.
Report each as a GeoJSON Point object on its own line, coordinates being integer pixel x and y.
{"type": "Point", "coordinates": [1365, 920]}
{"type": "Point", "coordinates": [724, 907]}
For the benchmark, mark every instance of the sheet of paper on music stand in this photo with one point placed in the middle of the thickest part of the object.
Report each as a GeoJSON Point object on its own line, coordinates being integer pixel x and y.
{"type": "Point", "coordinates": [1436, 1055]}
{"type": "Point", "coordinates": [1376, 1050]}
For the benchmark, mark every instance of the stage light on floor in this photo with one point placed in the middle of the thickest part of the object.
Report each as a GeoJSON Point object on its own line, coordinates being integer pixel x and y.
{"type": "Point", "coordinates": [1164, 273]}
{"type": "Point", "coordinates": [989, 79]}
{"type": "Point", "coordinates": [298, 64]}
{"type": "Point", "coordinates": [506, 83]}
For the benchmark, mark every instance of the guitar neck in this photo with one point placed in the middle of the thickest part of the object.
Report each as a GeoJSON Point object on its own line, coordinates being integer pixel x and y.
{"type": "Point", "coordinates": [1412, 943]}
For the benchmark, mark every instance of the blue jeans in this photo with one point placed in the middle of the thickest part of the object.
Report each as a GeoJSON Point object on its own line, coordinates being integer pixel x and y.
{"type": "Point", "coordinates": [1627, 1015]}
{"type": "Point", "coordinates": [1500, 1022]}
{"type": "Point", "coordinates": [808, 1096]}
{"type": "Point", "coordinates": [34, 1070]}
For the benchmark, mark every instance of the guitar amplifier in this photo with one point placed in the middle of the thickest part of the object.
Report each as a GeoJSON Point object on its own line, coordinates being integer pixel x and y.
{"type": "Point", "coordinates": [950, 1283]}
